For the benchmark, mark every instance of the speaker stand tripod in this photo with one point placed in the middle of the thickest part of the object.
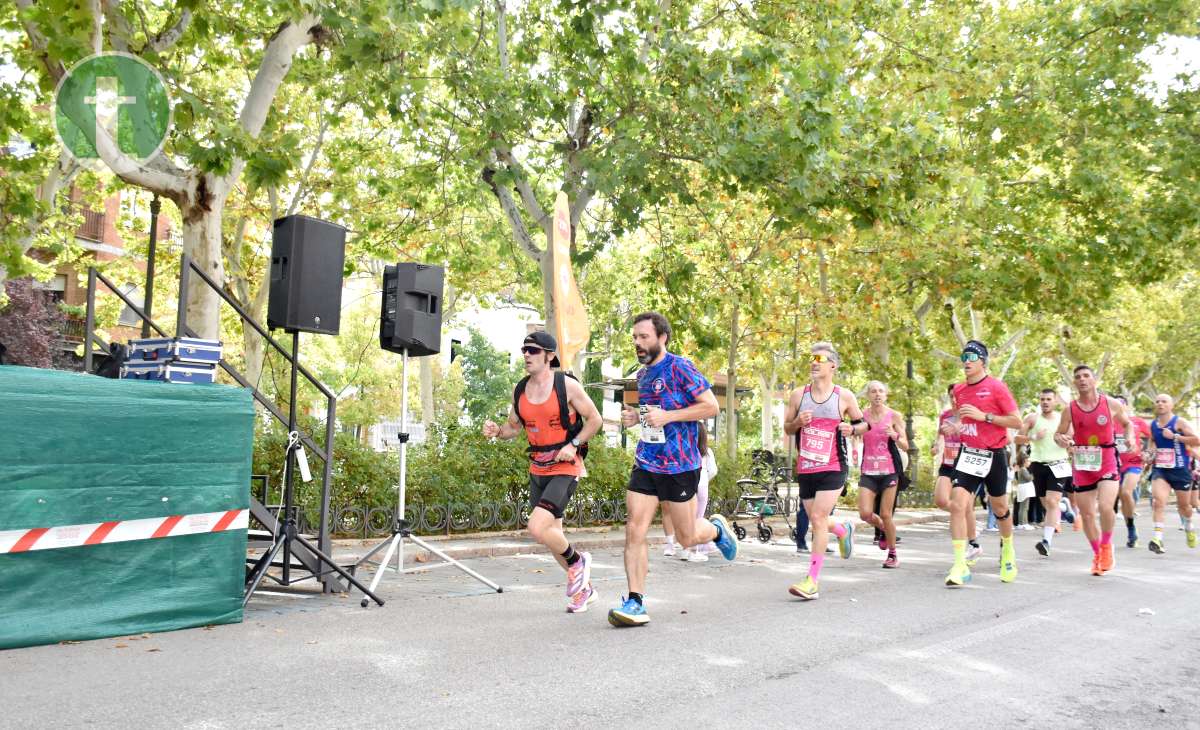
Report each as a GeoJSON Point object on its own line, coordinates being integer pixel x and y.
{"type": "Point", "coordinates": [286, 529]}
{"type": "Point", "coordinates": [401, 530]}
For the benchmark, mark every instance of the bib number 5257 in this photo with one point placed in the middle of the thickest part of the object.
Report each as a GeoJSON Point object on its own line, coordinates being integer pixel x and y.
{"type": "Point", "coordinates": [976, 462]}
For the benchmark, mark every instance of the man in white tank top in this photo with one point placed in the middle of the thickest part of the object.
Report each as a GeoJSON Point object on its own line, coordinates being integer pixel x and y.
{"type": "Point", "coordinates": [1048, 462]}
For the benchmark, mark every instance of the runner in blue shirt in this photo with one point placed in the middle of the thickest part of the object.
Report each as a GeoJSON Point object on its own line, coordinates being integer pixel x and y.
{"type": "Point", "coordinates": [672, 397]}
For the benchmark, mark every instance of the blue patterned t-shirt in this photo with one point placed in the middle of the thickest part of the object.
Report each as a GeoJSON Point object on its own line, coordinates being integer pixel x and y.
{"type": "Point", "coordinates": [672, 384]}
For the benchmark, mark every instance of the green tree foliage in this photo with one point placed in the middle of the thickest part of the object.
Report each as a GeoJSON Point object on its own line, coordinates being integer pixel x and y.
{"type": "Point", "coordinates": [488, 378]}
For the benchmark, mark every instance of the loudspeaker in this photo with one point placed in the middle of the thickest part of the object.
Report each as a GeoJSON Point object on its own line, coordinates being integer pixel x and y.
{"type": "Point", "coordinates": [307, 260]}
{"type": "Point", "coordinates": [411, 316]}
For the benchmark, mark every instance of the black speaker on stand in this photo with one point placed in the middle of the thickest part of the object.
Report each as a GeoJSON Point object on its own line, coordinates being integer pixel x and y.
{"type": "Point", "coordinates": [307, 260]}
{"type": "Point", "coordinates": [410, 323]}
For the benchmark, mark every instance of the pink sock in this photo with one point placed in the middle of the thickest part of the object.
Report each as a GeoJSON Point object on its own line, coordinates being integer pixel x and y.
{"type": "Point", "coordinates": [1106, 538]}
{"type": "Point", "coordinates": [1095, 546]}
{"type": "Point", "coordinates": [838, 529]}
{"type": "Point", "coordinates": [814, 565]}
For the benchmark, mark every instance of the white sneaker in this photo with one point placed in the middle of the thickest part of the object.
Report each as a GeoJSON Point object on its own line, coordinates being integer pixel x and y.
{"type": "Point", "coordinates": [669, 550]}
{"type": "Point", "coordinates": [696, 556]}
{"type": "Point", "coordinates": [685, 553]}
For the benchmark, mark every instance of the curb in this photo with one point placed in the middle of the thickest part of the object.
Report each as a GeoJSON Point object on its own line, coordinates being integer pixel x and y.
{"type": "Point", "coordinates": [523, 545]}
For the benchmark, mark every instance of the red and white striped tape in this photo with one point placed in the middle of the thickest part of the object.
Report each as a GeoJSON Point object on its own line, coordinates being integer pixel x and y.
{"type": "Point", "coordinates": [98, 533]}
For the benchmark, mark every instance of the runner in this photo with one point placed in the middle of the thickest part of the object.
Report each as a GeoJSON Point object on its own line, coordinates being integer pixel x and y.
{"type": "Point", "coordinates": [539, 401]}
{"type": "Point", "coordinates": [880, 474]}
{"type": "Point", "coordinates": [1049, 463]}
{"type": "Point", "coordinates": [947, 445]}
{"type": "Point", "coordinates": [1130, 458]}
{"type": "Point", "coordinates": [1171, 436]}
{"type": "Point", "coordinates": [816, 415]}
{"type": "Point", "coordinates": [672, 397]}
{"type": "Point", "coordinates": [1093, 418]}
{"type": "Point", "coordinates": [986, 411]}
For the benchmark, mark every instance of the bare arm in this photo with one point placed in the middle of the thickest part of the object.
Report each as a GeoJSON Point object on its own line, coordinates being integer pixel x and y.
{"type": "Point", "coordinates": [851, 411]}
{"type": "Point", "coordinates": [1121, 417]}
{"type": "Point", "coordinates": [1022, 436]}
{"type": "Point", "coordinates": [1061, 434]}
{"type": "Point", "coordinates": [1186, 434]}
{"type": "Point", "coordinates": [509, 429]}
{"type": "Point", "coordinates": [901, 436]}
{"type": "Point", "coordinates": [585, 408]}
{"type": "Point", "coordinates": [791, 414]}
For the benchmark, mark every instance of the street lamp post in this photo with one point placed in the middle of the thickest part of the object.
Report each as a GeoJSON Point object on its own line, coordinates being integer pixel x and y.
{"type": "Point", "coordinates": [155, 206]}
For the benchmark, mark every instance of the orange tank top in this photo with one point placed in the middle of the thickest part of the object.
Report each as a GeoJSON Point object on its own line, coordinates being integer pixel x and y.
{"type": "Point", "coordinates": [542, 428]}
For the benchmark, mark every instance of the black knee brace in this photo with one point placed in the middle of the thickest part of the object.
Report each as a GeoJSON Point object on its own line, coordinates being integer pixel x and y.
{"type": "Point", "coordinates": [1004, 516]}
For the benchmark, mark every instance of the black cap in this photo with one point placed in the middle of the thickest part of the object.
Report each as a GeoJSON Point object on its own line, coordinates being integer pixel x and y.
{"type": "Point", "coordinates": [546, 341]}
{"type": "Point", "coordinates": [978, 348]}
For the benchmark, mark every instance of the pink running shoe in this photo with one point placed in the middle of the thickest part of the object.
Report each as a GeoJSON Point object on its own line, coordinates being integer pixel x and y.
{"type": "Point", "coordinates": [892, 561]}
{"type": "Point", "coordinates": [581, 600]}
{"type": "Point", "coordinates": [579, 574]}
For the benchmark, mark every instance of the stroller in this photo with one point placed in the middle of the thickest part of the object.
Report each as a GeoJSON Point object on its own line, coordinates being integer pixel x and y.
{"type": "Point", "coordinates": [759, 497]}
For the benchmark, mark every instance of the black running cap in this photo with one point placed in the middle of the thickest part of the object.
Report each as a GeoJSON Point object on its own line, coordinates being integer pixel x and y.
{"type": "Point", "coordinates": [546, 341]}
{"type": "Point", "coordinates": [976, 347]}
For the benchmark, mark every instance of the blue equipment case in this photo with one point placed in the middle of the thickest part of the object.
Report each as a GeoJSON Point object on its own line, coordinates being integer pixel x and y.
{"type": "Point", "coordinates": [191, 350]}
{"type": "Point", "coordinates": [168, 372]}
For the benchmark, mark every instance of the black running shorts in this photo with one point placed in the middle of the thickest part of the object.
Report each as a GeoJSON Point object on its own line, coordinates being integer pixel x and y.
{"type": "Point", "coordinates": [877, 482]}
{"type": "Point", "coordinates": [825, 481]}
{"type": "Point", "coordinates": [667, 487]}
{"type": "Point", "coordinates": [1044, 480]}
{"type": "Point", "coordinates": [996, 481]}
{"type": "Point", "coordinates": [551, 493]}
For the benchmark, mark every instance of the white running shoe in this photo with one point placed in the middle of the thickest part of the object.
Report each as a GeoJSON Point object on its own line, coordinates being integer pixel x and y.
{"type": "Point", "coordinates": [695, 555]}
{"type": "Point", "coordinates": [669, 549]}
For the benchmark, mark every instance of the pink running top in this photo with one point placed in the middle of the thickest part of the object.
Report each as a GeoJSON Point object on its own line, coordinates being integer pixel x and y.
{"type": "Point", "coordinates": [989, 395]}
{"type": "Point", "coordinates": [1095, 454]}
{"type": "Point", "coordinates": [820, 445]}
{"type": "Point", "coordinates": [950, 444]}
{"type": "Point", "coordinates": [877, 459]}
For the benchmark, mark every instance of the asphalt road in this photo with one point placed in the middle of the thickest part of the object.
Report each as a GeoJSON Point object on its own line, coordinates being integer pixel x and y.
{"type": "Point", "coordinates": [726, 645]}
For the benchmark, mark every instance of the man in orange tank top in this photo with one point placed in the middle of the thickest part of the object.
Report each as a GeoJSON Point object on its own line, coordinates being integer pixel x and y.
{"type": "Point", "coordinates": [555, 466]}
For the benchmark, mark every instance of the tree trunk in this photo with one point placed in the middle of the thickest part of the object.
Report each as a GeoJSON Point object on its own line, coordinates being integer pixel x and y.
{"type": "Point", "coordinates": [731, 426]}
{"type": "Point", "coordinates": [766, 389]}
{"type": "Point", "coordinates": [202, 241]}
{"type": "Point", "coordinates": [427, 406]}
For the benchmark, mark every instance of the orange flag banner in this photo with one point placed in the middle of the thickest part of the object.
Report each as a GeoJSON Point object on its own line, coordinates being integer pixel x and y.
{"type": "Point", "coordinates": [570, 317]}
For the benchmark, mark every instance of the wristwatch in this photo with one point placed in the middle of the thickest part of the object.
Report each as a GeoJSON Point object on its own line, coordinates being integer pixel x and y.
{"type": "Point", "coordinates": [575, 442]}
{"type": "Point", "coordinates": [988, 417]}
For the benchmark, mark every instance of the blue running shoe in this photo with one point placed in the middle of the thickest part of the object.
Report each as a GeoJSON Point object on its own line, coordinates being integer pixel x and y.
{"type": "Point", "coordinates": [846, 541]}
{"type": "Point", "coordinates": [631, 613]}
{"type": "Point", "coordinates": [726, 541]}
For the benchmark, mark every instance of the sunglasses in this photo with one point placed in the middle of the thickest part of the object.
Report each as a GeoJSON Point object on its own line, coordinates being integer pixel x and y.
{"type": "Point", "coordinates": [969, 357]}
{"type": "Point", "coordinates": [821, 357]}
{"type": "Point", "coordinates": [530, 350]}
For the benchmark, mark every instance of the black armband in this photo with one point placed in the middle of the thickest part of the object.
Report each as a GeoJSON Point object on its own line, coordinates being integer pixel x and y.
{"type": "Point", "coordinates": [854, 422]}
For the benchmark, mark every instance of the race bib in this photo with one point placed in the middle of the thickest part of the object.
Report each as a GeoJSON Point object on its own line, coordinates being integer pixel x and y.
{"type": "Point", "coordinates": [1088, 458]}
{"type": "Point", "coordinates": [1060, 469]}
{"type": "Point", "coordinates": [1122, 445]}
{"type": "Point", "coordinates": [1164, 458]}
{"type": "Point", "coordinates": [816, 445]}
{"type": "Point", "coordinates": [949, 454]}
{"type": "Point", "coordinates": [976, 462]}
{"type": "Point", "coordinates": [876, 465]}
{"type": "Point", "coordinates": [651, 434]}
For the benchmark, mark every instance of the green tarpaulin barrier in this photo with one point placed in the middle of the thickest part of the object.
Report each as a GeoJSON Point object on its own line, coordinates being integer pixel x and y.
{"type": "Point", "coordinates": [80, 450]}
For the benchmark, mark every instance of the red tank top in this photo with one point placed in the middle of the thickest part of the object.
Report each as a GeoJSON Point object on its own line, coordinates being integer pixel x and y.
{"type": "Point", "coordinates": [543, 428]}
{"type": "Point", "coordinates": [1095, 454]}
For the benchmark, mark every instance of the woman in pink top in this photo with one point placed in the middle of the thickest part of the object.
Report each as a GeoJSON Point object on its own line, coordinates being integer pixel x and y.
{"type": "Point", "coordinates": [880, 473]}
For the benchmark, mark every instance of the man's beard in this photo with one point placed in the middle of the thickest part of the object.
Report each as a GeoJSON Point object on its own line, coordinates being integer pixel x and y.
{"type": "Point", "coordinates": [649, 355]}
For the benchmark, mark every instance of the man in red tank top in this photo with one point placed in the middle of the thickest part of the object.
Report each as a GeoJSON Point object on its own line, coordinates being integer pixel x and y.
{"type": "Point", "coordinates": [553, 474]}
{"type": "Point", "coordinates": [986, 410]}
{"type": "Point", "coordinates": [1093, 418]}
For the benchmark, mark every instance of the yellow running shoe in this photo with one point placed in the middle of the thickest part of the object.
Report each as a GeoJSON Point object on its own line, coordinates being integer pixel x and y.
{"type": "Point", "coordinates": [1191, 538]}
{"type": "Point", "coordinates": [958, 576]}
{"type": "Point", "coordinates": [806, 589]}
{"type": "Point", "coordinates": [1008, 564]}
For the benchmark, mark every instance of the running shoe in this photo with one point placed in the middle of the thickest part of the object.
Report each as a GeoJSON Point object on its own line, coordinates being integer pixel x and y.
{"type": "Point", "coordinates": [581, 600]}
{"type": "Point", "coordinates": [686, 553]}
{"type": "Point", "coordinates": [806, 589]}
{"type": "Point", "coordinates": [697, 556]}
{"type": "Point", "coordinates": [1008, 564]}
{"type": "Point", "coordinates": [1043, 548]}
{"type": "Point", "coordinates": [892, 561]}
{"type": "Point", "coordinates": [883, 544]}
{"type": "Point", "coordinates": [631, 613]}
{"type": "Point", "coordinates": [1096, 569]}
{"type": "Point", "coordinates": [1108, 561]}
{"type": "Point", "coordinates": [1069, 517]}
{"type": "Point", "coordinates": [1191, 538]}
{"type": "Point", "coordinates": [846, 541]}
{"type": "Point", "coordinates": [958, 576]}
{"type": "Point", "coordinates": [579, 574]}
{"type": "Point", "coordinates": [1156, 546]}
{"type": "Point", "coordinates": [726, 541]}
{"type": "Point", "coordinates": [802, 549]}
{"type": "Point", "coordinates": [1132, 542]}
{"type": "Point", "coordinates": [669, 550]}
{"type": "Point", "coordinates": [974, 553]}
